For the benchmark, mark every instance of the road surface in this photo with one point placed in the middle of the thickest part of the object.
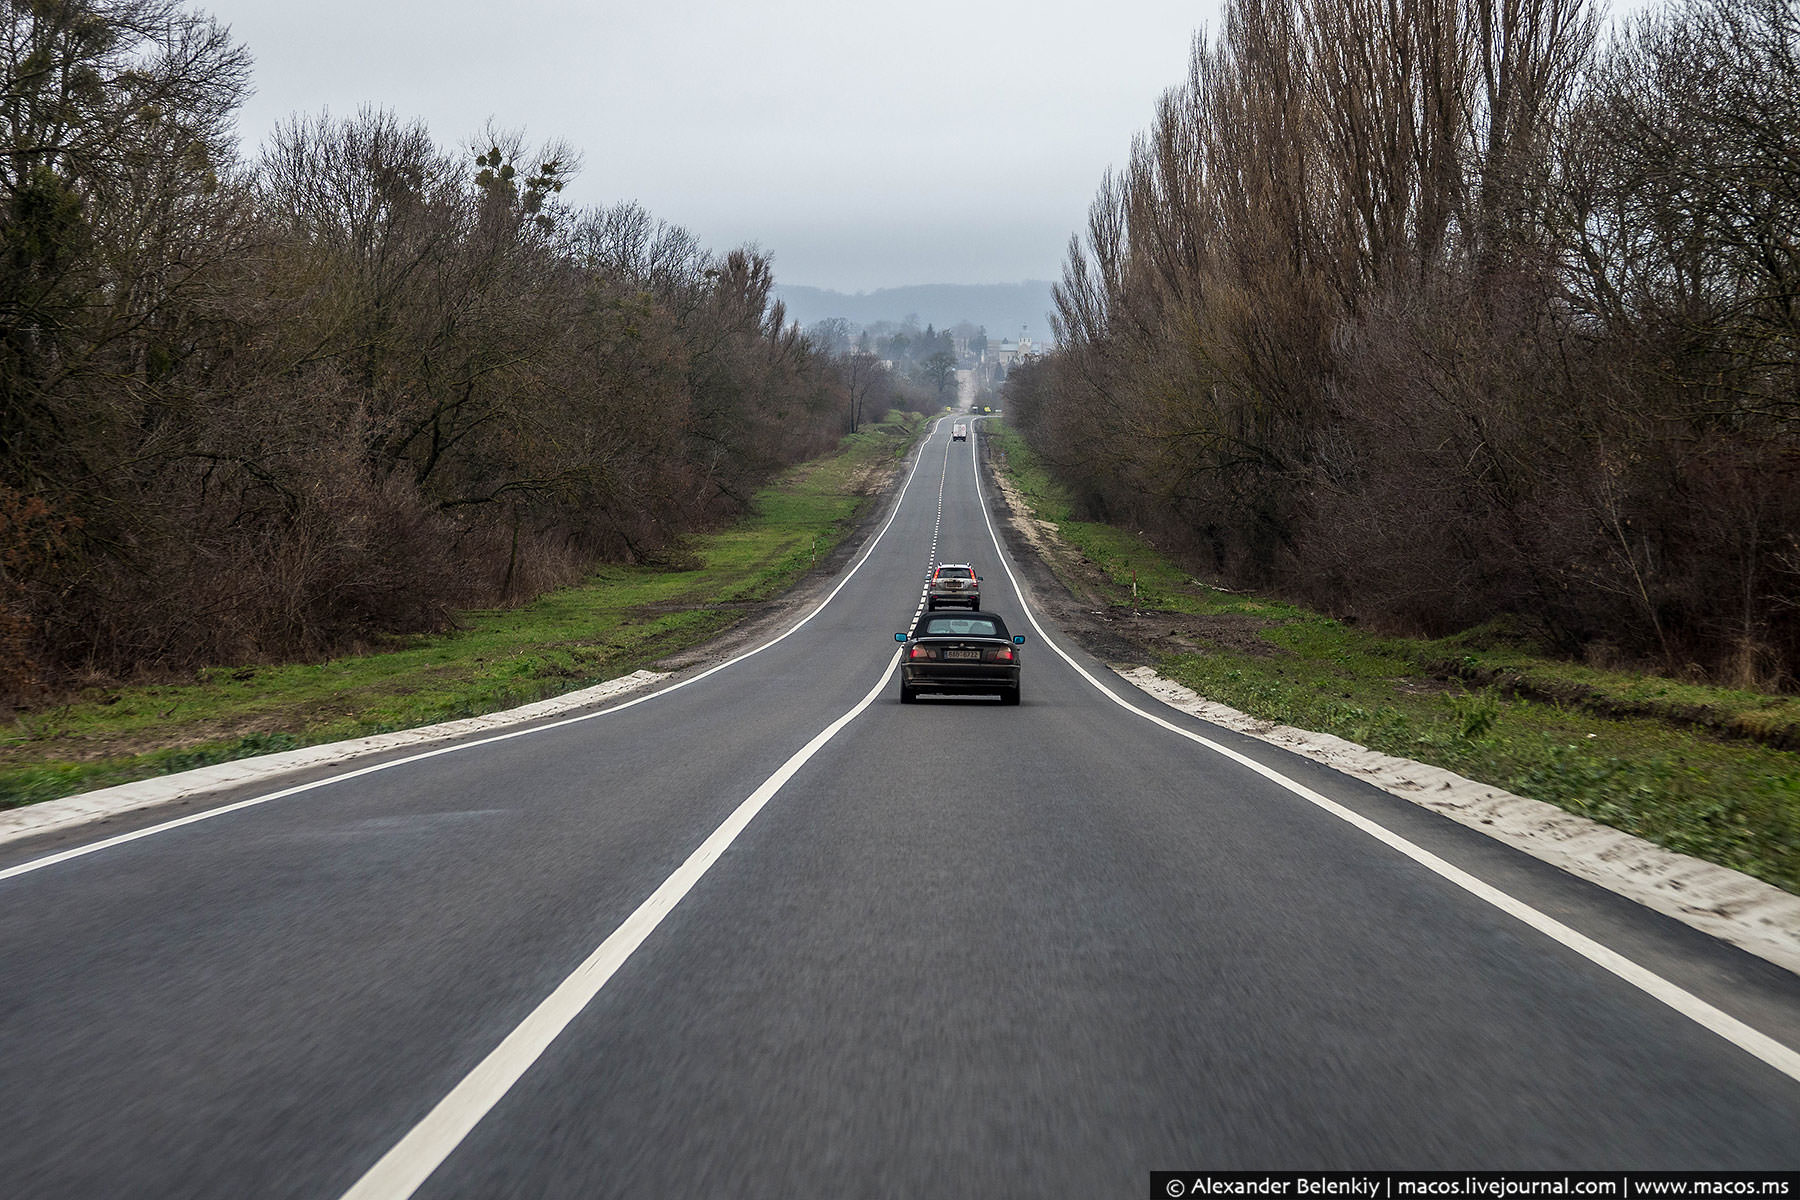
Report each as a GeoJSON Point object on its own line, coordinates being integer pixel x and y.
{"type": "Point", "coordinates": [768, 932]}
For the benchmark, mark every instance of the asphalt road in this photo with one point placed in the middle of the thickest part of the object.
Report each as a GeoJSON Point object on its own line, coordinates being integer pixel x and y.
{"type": "Point", "coordinates": [690, 945]}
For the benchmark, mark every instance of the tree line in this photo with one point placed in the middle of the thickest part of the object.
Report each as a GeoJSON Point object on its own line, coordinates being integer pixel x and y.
{"type": "Point", "coordinates": [910, 368]}
{"type": "Point", "coordinates": [276, 407]}
{"type": "Point", "coordinates": [1438, 313]}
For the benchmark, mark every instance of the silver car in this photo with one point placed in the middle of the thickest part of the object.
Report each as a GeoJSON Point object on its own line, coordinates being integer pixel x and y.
{"type": "Point", "coordinates": [953, 584]}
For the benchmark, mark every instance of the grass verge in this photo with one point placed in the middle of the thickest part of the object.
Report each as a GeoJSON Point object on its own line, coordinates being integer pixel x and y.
{"type": "Point", "coordinates": [1710, 772]}
{"type": "Point", "coordinates": [618, 621]}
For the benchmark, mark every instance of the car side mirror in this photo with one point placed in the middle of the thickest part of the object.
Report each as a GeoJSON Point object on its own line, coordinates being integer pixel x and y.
{"type": "Point", "coordinates": [1018, 639]}
{"type": "Point", "coordinates": [899, 637]}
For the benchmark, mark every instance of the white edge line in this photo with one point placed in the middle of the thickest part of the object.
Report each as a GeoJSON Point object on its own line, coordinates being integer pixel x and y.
{"type": "Point", "coordinates": [160, 791]}
{"type": "Point", "coordinates": [406, 1166]}
{"type": "Point", "coordinates": [1751, 1040]}
{"type": "Point", "coordinates": [62, 856]}
{"type": "Point", "coordinates": [1754, 916]}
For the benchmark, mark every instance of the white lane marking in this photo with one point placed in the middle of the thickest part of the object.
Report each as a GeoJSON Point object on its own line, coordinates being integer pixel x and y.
{"type": "Point", "coordinates": [937, 529]}
{"type": "Point", "coordinates": [399, 1172]}
{"type": "Point", "coordinates": [1752, 1041]}
{"type": "Point", "coordinates": [50, 860]}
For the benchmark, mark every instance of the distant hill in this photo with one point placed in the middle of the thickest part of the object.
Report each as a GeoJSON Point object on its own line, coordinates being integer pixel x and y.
{"type": "Point", "coordinates": [1004, 308]}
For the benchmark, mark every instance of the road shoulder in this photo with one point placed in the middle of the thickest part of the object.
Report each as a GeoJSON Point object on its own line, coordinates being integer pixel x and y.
{"type": "Point", "coordinates": [766, 620]}
{"type": "Point", "coordinates": [56, 816]}
{"type": "Point", "coordinates": [1729, 905]}
{"type": "Point", "coordinates": [1726, 904]}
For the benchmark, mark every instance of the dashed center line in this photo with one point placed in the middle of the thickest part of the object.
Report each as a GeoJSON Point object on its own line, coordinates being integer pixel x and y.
{"type": "Point", "coordinates": [937, 530]}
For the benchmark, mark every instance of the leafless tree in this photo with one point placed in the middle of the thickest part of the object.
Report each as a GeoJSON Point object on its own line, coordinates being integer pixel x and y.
{"type": "Point", "coordinates": [1436, 311]}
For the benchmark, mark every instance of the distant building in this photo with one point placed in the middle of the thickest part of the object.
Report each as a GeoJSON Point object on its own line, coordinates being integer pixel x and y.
{"type": "Point", "coordinates": [1003, 355]}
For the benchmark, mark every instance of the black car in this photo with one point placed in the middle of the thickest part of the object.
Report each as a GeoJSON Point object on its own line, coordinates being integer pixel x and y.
{"type": "Point", "coordinates": [966, 653]}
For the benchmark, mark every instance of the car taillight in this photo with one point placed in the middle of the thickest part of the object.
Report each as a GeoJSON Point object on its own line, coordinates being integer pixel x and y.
{"type": "Point", "coordinates": [926, 652]}
{"type": "Point", "coordinates": [1002, 655]}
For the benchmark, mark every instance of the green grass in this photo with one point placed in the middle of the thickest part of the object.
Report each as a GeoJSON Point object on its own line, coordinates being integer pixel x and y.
{"type": "Point", "coordinates": [1694, 768]}
{"type": "Point", "coordinates": [619, 620]}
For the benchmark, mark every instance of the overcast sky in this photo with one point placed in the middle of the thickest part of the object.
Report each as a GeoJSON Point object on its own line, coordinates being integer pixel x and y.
{"type": "Point", "coordinates": [861, 146]}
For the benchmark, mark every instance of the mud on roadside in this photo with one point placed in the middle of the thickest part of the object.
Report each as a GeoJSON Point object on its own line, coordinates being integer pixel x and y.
{"type": "Point", "coordinates": [1074, 593]}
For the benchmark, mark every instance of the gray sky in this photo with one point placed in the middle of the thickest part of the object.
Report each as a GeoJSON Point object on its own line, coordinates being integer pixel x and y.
{"type": "Point", "coordinates": [863, 147]}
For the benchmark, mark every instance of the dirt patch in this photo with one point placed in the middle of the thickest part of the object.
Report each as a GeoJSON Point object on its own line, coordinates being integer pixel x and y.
{"type": "Point", "coordinates": [87, 748]}
{"type": "Point", "coordinates": [665, 608]}
{"type": "Point", "coordinates": [1075, 594]}
{"type": "Point", "coordinates": [1777, 733]}
{"type": "Point", "coordinates": [872, 478]}
{"type": "Point", "coordinates": [1239, 633]}
{"type": "Point", "coordinates": [1128, 636]}
{"type": "Point", "coordinates": [1430, 687]}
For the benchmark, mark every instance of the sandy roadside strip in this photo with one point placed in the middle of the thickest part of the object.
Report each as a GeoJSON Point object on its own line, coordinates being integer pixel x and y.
{"type": "Point", "coordinates": [1727, 904]}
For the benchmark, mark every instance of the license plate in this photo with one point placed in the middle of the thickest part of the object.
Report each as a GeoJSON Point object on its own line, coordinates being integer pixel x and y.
{"type": "Point", "coordinates": [975, 654]}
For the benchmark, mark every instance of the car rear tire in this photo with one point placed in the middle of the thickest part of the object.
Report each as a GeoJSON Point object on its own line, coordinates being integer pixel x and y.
{"type": "Point", "coordinates": [908, 695]}
{"type": "Point", "coordinates": [1011, 697]}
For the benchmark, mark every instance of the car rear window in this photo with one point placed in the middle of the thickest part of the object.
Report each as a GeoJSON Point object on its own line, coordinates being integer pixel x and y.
{"type": "Point", "coordinates": [961, 627]}
{"type": "Point", "coordinates": [954, 573]}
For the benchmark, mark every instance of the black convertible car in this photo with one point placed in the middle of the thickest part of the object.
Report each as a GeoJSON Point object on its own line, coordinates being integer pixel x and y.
{"type": "Point", "coordinates": [967, 653]}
